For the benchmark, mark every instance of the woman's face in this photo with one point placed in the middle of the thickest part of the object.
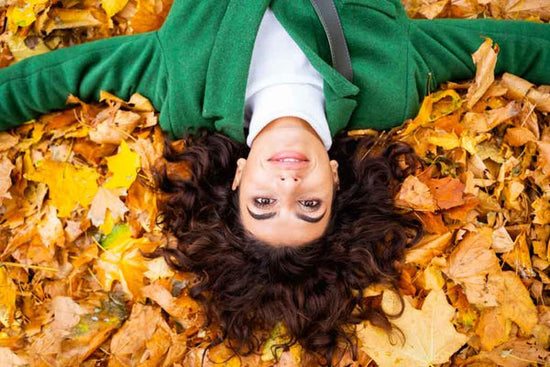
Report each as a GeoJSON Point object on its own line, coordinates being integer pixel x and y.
{"type": "Point", "coordinates": [286, 185]}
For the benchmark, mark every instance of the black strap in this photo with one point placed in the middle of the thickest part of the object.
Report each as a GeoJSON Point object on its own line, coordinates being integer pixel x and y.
{"type": "Point", "coordinates": [333, 28]}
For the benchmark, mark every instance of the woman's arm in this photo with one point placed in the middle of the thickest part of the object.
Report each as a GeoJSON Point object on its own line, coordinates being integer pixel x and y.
{"type": "Point", "coordinates": [444, 47]}
{"type": "Point", "coordinates": [120, 65]}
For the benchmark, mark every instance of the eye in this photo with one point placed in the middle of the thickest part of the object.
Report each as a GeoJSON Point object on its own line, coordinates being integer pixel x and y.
{"type": "Point", "coordinates": [310, 204]}
{"type": "Point", "coordinates": [263, 202]}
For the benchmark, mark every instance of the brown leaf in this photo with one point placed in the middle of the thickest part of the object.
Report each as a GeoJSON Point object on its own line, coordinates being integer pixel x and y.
{"type": "Point", "coordinates": [485, 59]}
{"type": "Point", "coordinates": [517, 87]}
{"type": "Point", "coordinates": [518, 353]}
{"type": "Point", "coordinates": [429, 247]}
{"type": "Point", "coordinates": [473, 265]}
{"type": "Point", "coordinates": [5, 180]}
{"type": "Point", "coordinates": [145, 338]}
{"type": "Point", "coordinates": [184, 309]}
{"type": "Point", "coordinates": [519, 258]}
{"type": "Point", "coordinates": [492, 328]}
{"type": "Point", "coordinates": [519, 136]}
{"type": "Point", "coordinates": [447, 192]}
{"type": "Point", "coordinates": [516, 304]}
{"type": "Point", "coordinates": [415, 195]}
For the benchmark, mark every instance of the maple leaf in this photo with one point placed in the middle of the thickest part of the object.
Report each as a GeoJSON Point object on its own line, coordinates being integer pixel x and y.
{"type": "Point", "coordinates": [416, 195]}
{"type": "Point", "coordinates": [115, 128]}
{"type": "Point", "coordinates": [146, 339]}
{"type": "Point", "coordinates": [185, 310]}
{"type": "Point", "coordinates": [429, 336]}
{"type": "Point", "coordinates": [68, 184]}
{"type": "Point", "coordinates": [122, 261]}
{"type": "Point", "coordinates": [447, 191]}
{"type": "Point", "coordinates": [124, 166]}
{"type": "Point", "coordinates": [158, 268]}
{"type": "Point", "coordinates": [50, 228]}
{"type": "Point", "coordinates": [107, 199]}
{"type": "Point", "coordinates": [473, 265]}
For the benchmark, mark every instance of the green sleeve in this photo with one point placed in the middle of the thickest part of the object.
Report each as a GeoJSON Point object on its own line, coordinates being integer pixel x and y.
{"type": "Point", "coordinates": [120, 65]}
{"type": "Point", "coordinates": [444, 47]}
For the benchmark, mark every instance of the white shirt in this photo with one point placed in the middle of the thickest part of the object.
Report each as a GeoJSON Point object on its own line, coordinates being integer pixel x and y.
{"type": "Point", "coordinates": [282, 82]}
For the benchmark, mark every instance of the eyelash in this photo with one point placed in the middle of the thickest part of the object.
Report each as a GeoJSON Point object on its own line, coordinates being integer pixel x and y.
{"type": "Point", "coordinates": [258, 202]}
{"type": "Point", "coordinates": [310, 204]}
{"type": "Point", "coordinates": [307, 204]}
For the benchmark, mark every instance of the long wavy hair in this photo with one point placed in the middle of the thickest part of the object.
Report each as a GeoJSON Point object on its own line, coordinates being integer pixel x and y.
{"type": "Point", "coordinates": [315, 289]}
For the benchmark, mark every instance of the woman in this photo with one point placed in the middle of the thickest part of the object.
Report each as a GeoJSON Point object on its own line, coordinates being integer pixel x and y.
{"type": "Point", "coordinates": [288, 234]}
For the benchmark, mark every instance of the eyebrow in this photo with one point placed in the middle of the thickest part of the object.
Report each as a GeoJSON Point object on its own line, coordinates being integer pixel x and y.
{"type": "Point", "coordinates": [272, 214]}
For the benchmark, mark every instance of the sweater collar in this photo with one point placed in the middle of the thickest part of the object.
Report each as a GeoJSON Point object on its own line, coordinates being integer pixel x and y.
{"type": "Point", "coordinates": [229, 62]}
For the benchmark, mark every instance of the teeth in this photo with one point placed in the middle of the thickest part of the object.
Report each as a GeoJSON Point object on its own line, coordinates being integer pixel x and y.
{"type": "Point", "coordinates": [289, 160]}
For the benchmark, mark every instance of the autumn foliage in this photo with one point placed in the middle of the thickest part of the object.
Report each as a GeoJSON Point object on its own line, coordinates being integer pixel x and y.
{"type": "Point", "coordinates": [78, 210]}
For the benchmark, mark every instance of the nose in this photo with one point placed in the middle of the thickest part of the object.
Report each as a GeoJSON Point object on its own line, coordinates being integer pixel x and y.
{"type": "Point", "coordinates": [289, 177]}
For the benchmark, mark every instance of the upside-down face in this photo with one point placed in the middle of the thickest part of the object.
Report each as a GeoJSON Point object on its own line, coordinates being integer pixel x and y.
{"type": "Point", "coordinates": [287, 184]}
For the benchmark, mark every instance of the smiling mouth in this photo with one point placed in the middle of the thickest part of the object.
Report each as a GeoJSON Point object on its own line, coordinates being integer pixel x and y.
{"type": "Point", "coordinates": [289, 160]}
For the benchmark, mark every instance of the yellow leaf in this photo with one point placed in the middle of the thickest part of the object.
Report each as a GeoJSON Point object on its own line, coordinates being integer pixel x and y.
{"type": "Point", "coordinates": [124, 165]}
{"type": "Point", "coordinates": [541, 208]}
{"type": "Point", "coordinates": [109, 223]}
{"type": "Point", "coordinates": [21, 51]}
{"type": "Point", "coordinates": [429, 336]}
{"type": "Point", "coordinates": [113, 6]}
{"type": "Point", "coordinates": [7, 298]}
{"type": "Point", "coordinates": [517, 304]}
{"type": "Point", "coordinates": [22, 16]}
{"type": "Point", "coordinates": [68, 184]}
{"type": "Point", "coordinates": [122, 261]}
{"type": "Point", "coordinates": [447, 141]}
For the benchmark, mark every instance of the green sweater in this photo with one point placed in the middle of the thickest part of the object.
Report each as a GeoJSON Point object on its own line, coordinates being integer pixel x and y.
{"type": "Point", "coordinates": [194, 69]}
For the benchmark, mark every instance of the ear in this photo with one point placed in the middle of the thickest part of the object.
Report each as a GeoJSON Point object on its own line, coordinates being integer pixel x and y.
{"type": "Point", "coordinates": [241, 164]}
{"type": "Point", "coordinates": [335, 177]}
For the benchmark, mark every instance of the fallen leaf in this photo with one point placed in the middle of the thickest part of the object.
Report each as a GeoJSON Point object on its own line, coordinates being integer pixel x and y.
{"type": "Point", "coordinates": [473, 265]}
{"type": "Point", "coordinates": [5, 180]}
{"type": "Point", "coordinates": [8, 292]}
{"type": "Point", "coordinates": [415, 195]}
{"type": "Point", "coordinates": [427, 248]}
{"type": "Point", "coordinates": [485, 59]}
{"type": "Point", "coordinates": [113, 6]}
{"type": "Point", "coordinates": [447, 191]}
{"type": "Point", "coordinates": [68, 184]}
{"type": "Point", "coordinates": [107, 199]}
{"type": "Point", "coordinates": [124, 166]}
{"type": "Point", "coordinates": [429, 337]}
{"type": "Point", "coordinates": [517, 353]}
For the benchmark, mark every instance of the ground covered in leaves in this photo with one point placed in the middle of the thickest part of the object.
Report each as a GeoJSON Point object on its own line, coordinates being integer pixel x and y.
{"type": "Point", "coordinates": [78, 208]}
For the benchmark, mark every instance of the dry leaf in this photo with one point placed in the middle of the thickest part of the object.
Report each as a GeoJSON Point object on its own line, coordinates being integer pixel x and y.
{"type": "Point", "coordinates": [68, 184]}
{"type": "Point", "coordinates": [429, 336]}
{"type": "Point", "coordinates": [473, 265]}
{"type": "Point", "coordinates": [485, 59]}
{"type": "Point", "coordinates": [415, 195]}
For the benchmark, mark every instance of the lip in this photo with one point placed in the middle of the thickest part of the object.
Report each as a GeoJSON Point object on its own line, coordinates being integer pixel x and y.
{"type": "Point", "coordinates": [289, 160]}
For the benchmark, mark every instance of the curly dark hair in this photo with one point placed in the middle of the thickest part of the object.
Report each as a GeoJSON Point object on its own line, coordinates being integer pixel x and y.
{"type": "Point", "coordinates": [314, 289]}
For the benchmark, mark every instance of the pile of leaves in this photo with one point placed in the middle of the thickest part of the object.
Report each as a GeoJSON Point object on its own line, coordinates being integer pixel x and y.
{"type": "Point", "coordinates": [78, 211]}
